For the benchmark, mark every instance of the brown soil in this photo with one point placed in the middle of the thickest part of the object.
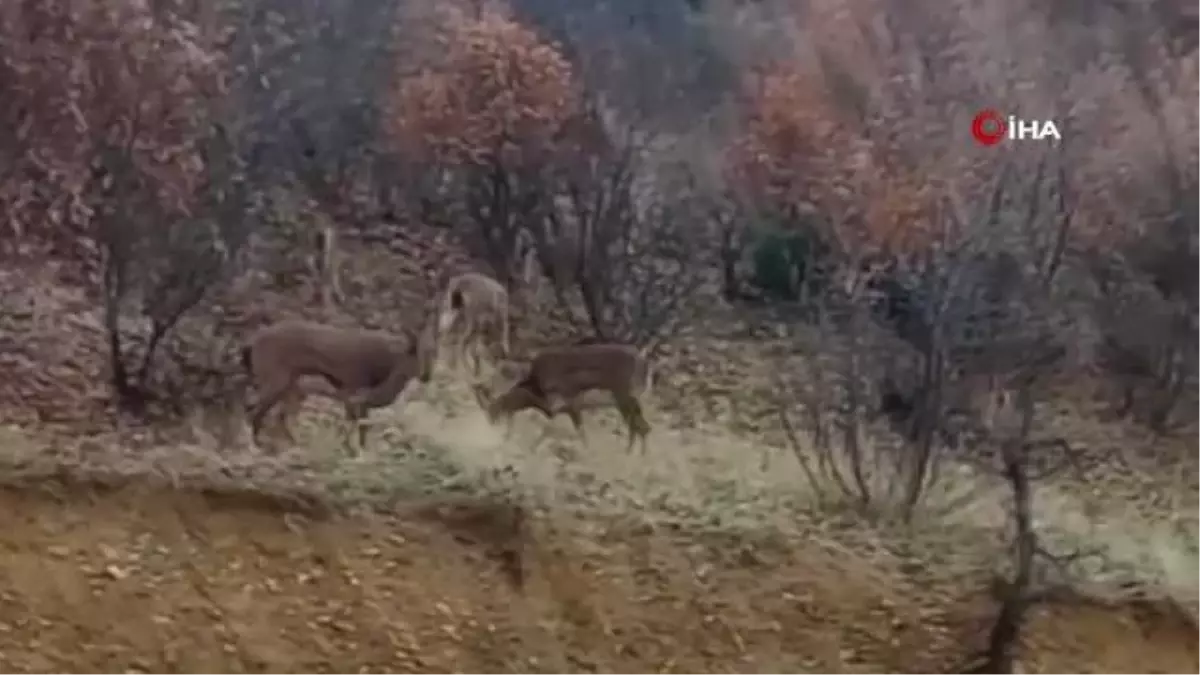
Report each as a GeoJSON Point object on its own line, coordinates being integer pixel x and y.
{"type": "Point", "coordinates": [143, 579]}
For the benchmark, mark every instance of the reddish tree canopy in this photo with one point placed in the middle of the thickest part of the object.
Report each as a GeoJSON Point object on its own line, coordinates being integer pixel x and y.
{"type": "Point", "coordinates": [82, 77]}
{"type": "Point", "coordinates": [494, 89]}
{"type": "Point", "coordinates": [798, 148]}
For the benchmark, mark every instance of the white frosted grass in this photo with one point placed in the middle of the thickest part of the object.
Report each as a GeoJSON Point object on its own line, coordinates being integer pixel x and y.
{"type": "Point", "coordinates": [702, 474]}
{"type": "Point", "coordinates": [440, 444]}
{"type": "Point", "coordinates": [712, 478]}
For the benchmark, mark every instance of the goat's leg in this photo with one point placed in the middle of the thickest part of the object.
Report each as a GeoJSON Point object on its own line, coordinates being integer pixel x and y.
{"type": "Point", "coordinates": [466, 354]}
{"type": "Point", "coordinates": [471, 355]}
{"type": "Point", "coordinates": [635, 419]}
{"type": "Point", "coordinates": [477, 338]}
{"type": "Point", "coordinates": [481, 353]}
{"type": "Point", "coordinates": [450, 335]}
{"type": "Point", "coordinates": [510, 423]}
{"type": "Point", "coordinates": [465, 333]}
{"type": "Point", "coordinates": [461, 357]}
{"type": "Point", "coordinates": [447, 321]}
{"type": "Point", "coordinates": [572, 412]}
{"type": "Point", "coordinates": [547, 428]}
{"type": "Point", "coordinates": [509, 426]}
{"type": "Point", "coordinates": [288, 411]}
{"type": "Point", "coordinates": [482, 396]}
{"type": "Point", "coordinates": [497, 347]}
{"type": "Point", "coordinates": [270, 395]}
{"type": "Point", "coordinates": [1123, 408]}
{"type": "Point", "coordinates": [355, 414]}
{"type": "Point", "coordinates": [644, 437]}
{"type": "Point", "coordinates": [451, 344]}
{"type": "Point", "coordinates": [362, 435]}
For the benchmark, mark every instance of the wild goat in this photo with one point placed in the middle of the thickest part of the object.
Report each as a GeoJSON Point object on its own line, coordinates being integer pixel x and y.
{"type": "Point", "coordinates": [559, 376]}
{"type": "Point", "coordinates": [477, 306]}
{"type": "Point", "coordinates": [366, 369]}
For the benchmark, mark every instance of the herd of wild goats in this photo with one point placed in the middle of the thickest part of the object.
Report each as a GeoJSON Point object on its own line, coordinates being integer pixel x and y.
{"type": "Point", "coordinates": [370, 369]}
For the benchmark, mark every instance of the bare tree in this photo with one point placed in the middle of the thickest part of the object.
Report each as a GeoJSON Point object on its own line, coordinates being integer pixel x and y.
{"type": "Point", "coordinates": [1023, 459]}
{"type": "Point", "coordinates": [120, 128]}
{"type": "Point", "coordinates": [957, 319]}
{"type": "Point", "coordinates": [483, 155]}
{"type": "Point", "coordinates": [629, 244]}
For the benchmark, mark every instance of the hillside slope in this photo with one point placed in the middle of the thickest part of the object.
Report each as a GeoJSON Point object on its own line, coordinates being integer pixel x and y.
{"type": "Point", "coordinates": [135, 579]}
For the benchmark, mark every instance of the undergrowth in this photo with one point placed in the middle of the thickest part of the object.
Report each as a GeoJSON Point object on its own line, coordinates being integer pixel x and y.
{"type": "Point", "coordinates": [700, 480]}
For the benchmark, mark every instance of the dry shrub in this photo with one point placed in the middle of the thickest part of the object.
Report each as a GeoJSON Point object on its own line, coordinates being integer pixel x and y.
{"type": "Point", "coordinates": [115, 163]}
{"type": "Point", "coordinates": [1137, 236]}
{"type": "Point", "coordinates": [856, 131]}
{"type": "Point", "coordinates": [863, 128]}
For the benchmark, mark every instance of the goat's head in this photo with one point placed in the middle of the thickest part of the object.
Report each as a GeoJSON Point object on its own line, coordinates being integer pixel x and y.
{"type": "Point", "coordinates": [516, 399]}
{"type": "Point", "coordinates": [483, 396]}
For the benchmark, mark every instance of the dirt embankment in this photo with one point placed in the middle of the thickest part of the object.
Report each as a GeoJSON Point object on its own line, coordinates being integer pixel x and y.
{"type": "Point", "coordinates": [140, 579]}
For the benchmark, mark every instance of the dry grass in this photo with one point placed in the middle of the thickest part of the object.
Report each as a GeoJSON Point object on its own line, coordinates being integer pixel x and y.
{"type": "Point", "coordinates": [705, 555]}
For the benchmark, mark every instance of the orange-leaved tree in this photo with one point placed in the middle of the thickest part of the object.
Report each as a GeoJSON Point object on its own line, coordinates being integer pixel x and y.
{"type": "Point", "coordinates": [482, 106]}
{"type": "Point", "coordinates": [83, 78]}
{"type": "Point", "coordinates": [800, 151]}
{"type": "Point", "coordinates": [853, 140]}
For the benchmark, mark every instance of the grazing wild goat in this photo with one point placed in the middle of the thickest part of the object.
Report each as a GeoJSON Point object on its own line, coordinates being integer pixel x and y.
{"type": "Point", "coordinates": [475, 306]}
{"type": "Point", "coordinates": [559, 376]}
{"type": "Point", "coordinates": [366, 369]}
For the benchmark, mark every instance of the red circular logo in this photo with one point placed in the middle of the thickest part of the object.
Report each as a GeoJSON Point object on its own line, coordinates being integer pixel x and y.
{"type": "Point", "coordinates": [989, 127]}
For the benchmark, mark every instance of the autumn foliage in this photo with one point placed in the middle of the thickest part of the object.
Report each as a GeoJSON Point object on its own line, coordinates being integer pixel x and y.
{"type": "Point", "coordinates": [83, 82]}
{"type": "Point", "coordinates": [797, 149]}
{"type": "Point", "coordinates": [140, 140]}
{"type": "Point", "coordinates": [864, 120]}
{"type": "Point", "coordinates": [491, 90]}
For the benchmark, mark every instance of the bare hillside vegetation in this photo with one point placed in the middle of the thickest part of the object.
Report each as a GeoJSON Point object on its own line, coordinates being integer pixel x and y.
{"type": "Point", "coordinates": [917, 404]}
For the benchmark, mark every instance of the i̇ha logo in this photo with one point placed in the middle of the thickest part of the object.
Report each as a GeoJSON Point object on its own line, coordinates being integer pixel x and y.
{"type": "Point", "coordinates": [989, 127]}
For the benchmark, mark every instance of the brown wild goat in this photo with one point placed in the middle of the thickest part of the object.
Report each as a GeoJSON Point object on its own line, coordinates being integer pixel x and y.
{"type": "Point", "coordinates": [366, 369]}
{"type": "Point", "coordinates": [475, 306]}
{"type": "Point", "coordinates": [559, 376]}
